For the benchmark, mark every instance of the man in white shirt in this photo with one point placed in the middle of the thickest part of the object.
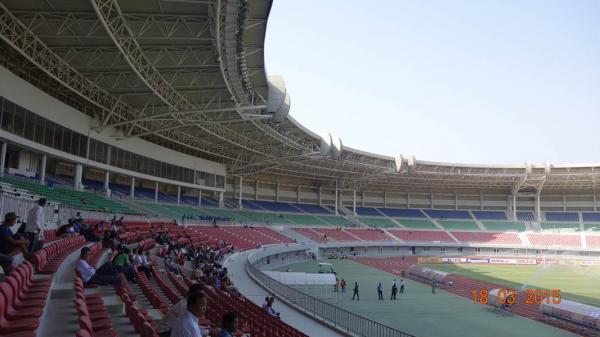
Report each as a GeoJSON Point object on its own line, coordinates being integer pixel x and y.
{"type": "Point", "coordinates": [164, 326]}
{"type": "Point", "coordinates": [105, 275]}
{"type": "Point", "coordinates": [35, 224]}
{"type": "Point", "coordinates": [186, 325]}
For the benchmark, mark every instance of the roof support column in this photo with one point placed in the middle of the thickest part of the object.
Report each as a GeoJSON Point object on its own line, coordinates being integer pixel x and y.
{"type": "Point", "coordinates": [514, 207]}
{"type": "Point", "coordinates": [221, 199]}
{"type": "Point", "coordinates": [277, 192]}
{"type": "Point", "coordinates": [595, 203]}
{"type": "Point", "coordinates": [77, 181]}
{"type": "Point", "coordinates": [256, 190]}
{"type": "Point", "coordinates": [107, 183]}
{"type": "Point", "coordinates": [564, 202]}
{"type": "Point", "coordinates": [178, 195]}
{"type": "Point", "coordinates": [456, 201]}
{"type": "Point", "coordinates": [298, 195]}
{"type": "Point", "coordinates": [384, 199]}
{"type": "Point", "coordinates": [3, 158]}
{"type": "Point", "coordinates": [319, 196]}
{"type": "Point", "coordinates": [431, 200]}
{"type": "Point", "coordinates": [240, 192]}
{"type": "Point", "coordinates": [199, 198]}
{"type": "Point", "coordinates": [362, 199]}
{"type": "Point", "coordinates": [538, 208]}
{"type": "Point", "coordinates": [481, 199]}
{"type": "Point", "coordinates": [407, 200]}
{"type": "Point", "coordinates": [132, 188]}
{"type": "Point", "coordinates": [156, 192]}
{"type": "Point", "coordinates": [336, 199]}
{"type": "Point", "coordinates": [43, 169]}
{"type": "Point", "coordinates": [354, 202]}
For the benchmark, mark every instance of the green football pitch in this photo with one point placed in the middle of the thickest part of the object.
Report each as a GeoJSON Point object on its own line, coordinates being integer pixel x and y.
{"type": "Point", "coordinates": [421, 313]}
{"type": "Point", "coordinates": [577, 283]}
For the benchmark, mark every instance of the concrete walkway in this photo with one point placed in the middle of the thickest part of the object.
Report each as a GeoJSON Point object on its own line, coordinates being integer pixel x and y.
{"type": "Point", "coordinates": [242, 281]}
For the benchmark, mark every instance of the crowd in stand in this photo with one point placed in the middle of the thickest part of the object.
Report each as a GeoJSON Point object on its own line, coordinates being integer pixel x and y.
{"type": "Point", "coordinates": [182, 320]}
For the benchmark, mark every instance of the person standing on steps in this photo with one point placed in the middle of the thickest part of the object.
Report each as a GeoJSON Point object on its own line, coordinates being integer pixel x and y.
{"type": "Point", "coordinates": [380, 292]}
{"type": "Point", "coordinates": [356, 292]}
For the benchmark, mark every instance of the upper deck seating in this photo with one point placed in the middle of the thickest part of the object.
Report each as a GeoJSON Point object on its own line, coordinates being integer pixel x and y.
{"type": "Point", "coordinates": [562, 216]}
{"type": "Point", "coordinates": [489, 215]}
{"type": "Point", "coordinates": [448, 214]}
{"type": "Point", "coordinates": [403, 213]}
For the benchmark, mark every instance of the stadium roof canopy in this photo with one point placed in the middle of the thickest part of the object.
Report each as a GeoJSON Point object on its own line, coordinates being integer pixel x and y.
{"type": "Point", "coordinates": [190, 75]}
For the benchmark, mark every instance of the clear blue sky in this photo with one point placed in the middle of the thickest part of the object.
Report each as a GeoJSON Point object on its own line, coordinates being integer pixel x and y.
{"type": "Point", "coordinates": [500, 82]}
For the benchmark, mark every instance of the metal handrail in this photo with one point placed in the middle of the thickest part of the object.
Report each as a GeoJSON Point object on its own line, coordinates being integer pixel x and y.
{"type": "Point", "coordinates": [339, 318]}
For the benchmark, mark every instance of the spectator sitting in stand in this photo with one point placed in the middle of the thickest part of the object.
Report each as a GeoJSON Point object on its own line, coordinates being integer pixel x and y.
{"type": "Point", "coordinates": [141, 263]}
{"type": "Point", "coordinates": [123, 265]}
{"type": "Point", "coordinates": [105, 275]}
{"type": "Point", "coordinates": [230, 324]}
{"type": "Point", "coordinates": [9, 242]}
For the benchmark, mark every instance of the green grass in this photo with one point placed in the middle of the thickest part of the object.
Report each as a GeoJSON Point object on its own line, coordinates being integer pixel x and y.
{"type": "Point", "coordinates": [421, 313]}
{"type": "Point", "coordinates": [577, 283]}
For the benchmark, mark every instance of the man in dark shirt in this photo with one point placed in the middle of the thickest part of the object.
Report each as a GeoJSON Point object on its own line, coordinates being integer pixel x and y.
{"type": "Point", "coordinates": [356, 292]}
{"type": "Point", "coordinates": [8, 241]}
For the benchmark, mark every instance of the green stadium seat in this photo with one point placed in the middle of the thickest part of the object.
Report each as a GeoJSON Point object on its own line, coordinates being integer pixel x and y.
{"type": "Point", "coordinates": [417, 223]}
{"type": "Point", "coordinates": [505, 226]}
{"type": "Point", "coordinates": [469, 225]}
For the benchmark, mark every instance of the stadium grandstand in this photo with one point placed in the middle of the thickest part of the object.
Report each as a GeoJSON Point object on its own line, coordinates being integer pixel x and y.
{"type": "Point", "coordinates": [163, 148]}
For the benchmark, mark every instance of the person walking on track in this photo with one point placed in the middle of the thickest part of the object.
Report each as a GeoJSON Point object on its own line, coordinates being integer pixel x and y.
{"type": "Point", "coordinates": [380, 291]}
{"type": "Point", "coordinates": [356, 292]}
{"type": "Point", "coordinates": [394, 291]}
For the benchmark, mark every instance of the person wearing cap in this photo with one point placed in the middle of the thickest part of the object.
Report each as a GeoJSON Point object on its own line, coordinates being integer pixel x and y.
{"type": "Point", "coordinates": [105, 275]}
{"type": "Point", "coordinates": [34, 230]}
{"type": "Point", "coordinates": [8, 242]}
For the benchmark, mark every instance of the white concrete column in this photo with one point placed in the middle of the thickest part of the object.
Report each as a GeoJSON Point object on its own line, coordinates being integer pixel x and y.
{"type": "Point", "coordinates": [178, 195]}
{"type": "Point", "coordinates": [256, 190]}
{"type": "Point", "coordinates": [221, 200]}
{"type": "Point", "coordinates": [43, 161]}
{"type": "Point", "coordinates": [385, 199]}
{"type": "Point", "coordinates": [595, 203]}
{"type": "Point", "coordinates": [538, 210]}
{"type": "Point", "coordinates": [564, 202]}
{"type": "Point", "coordinates": [319, 196]}
{"type": "Point", "coordinates": [481, 200]}
{"type": "Point", "coordinates": [156, 192]}
{"type": "Point", "coordinates": [199, 198]}
{"type": "Point", "coordinates": [354, 202]}
{"type": "Point", "coordinates": [107, 184]}
{"type": "Point", "coordinates": [362, 199]}
{"type": "Point", "coordinates": [407, 200]}
{"type": "Point", "coordinates": [514, 207]}
{"type": "Point", "coordinates": [431, 200]}
{"type": "Point", "coordinates": [240, 192]}
{"type": "Point", "coordinates": [298, 195]}
{"type": "Point", "coordinates": [78, 173]}
{"type": "Point", "coordinates": [455, 201]}
{"type": "Point", "coordinates": [132, 188]}
{"type": "Point", "coordinates": [3, 158]}
{"type": "Point", "coordinates": [277, 192]}
{"type": "Point", "coordinates": [336, 201]}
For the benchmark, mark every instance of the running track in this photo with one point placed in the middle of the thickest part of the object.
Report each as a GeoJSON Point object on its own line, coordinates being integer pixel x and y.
{"type": "Point", "coordinates": [464, 286]}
